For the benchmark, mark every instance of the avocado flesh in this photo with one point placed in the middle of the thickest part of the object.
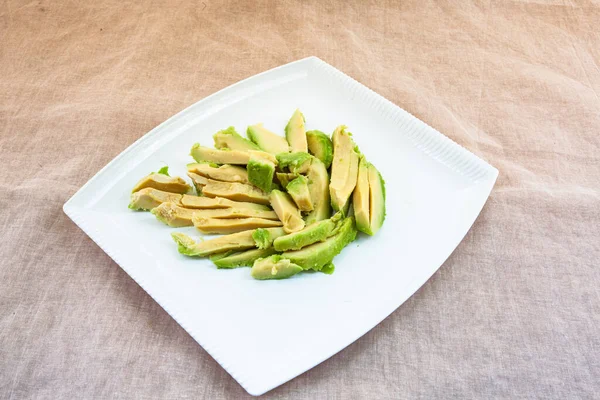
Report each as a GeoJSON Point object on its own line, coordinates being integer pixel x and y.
{"type": "Point", "coordinates": [202, 203]}
{"type": "Point", "coordinates": [267, 140]}
{"type": "Point", "coordinates": [228, 213]}
{"type": "Point", "coordinates": [221, 226]}
{"type": "Point", "coordinates": [173, 215]}
{"type": "Point", "coordinates": [297, 163]}
{"type": "Point", "coordinates": [285, 177]}
{"type": "Point", "coordinates": [274, 267]}
{"type": "Point", "coordinates": [264, 237]}
{"type": "Point", "coordinates": [260, 172]}
{"type": "Point", "coordinates": [166, 183]}
{"type": "Point", "coordinates": [376, 199]}
{"type": "Point", "coordinates": [320, 146]}
{"type": "Point", "coordinates": [344, 168]}
{"type": "Point", "coordinates": [230, 139]}
{"type": "Point", "coordinates": [225, 173]}
{"type": "Point", "coordinates": [320, 254]}
{"type": "Point", "coordinates": [199, 182]}
{"type": "Point", "coordinates": [318, 186]}
{"type": "Point", "coordinates": [235, 191]}
{"type": "Point", "coordinates": [236, 241]}
{"type": "Point", "coordinates": [242, 259]}
{"type": "Point", "coordinates": [298, 190]}
{"type": "Point", "coordinates": [313, 233]}
{"type": "Point", "coordinates": [360, 198]}
{"type": "Point", "coordinates": [206, 154]}
{"type": "Point", "coordinates": [148, 198]}
{"type": "Point", "coordinates": [286, 211]}
{"type": "Point", "coordinates": [295, 132]}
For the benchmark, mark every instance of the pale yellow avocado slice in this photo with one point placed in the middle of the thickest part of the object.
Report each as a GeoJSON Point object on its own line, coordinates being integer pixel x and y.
{"type": "Point", "coordinates": [230, 139]}
{"type": "Point", "coordinates": [226, 172]}
{"type": "Point", "coordinates": [286, 211]}
{"type": "Point", "coordinates": [199, 181]}
{"type": "Point", "coordinates": [274, 267]}
{"type": "Point", "coordinates": [360, 197]}
{"type": "Point", "coordinates": [235, 191]}
{"type": "Point", "coordinates": [173, 215]}
{"type": "Point", "coordinates": [148, 198]}
{"type": "Point", "coordinates": [173, 184]}
{"type": "Point", "coordinates": [298, 189]}
{"type": "Point", "coordinates": [344, 169]}
{"type": "Point", "coordinates": [215, 225]}
{"type": "Point", "coordinates": [295, 133]}
{"type": "Point", "coordinates": [267, 140]}
{"type": "Point", "coordinates": [202, 202]}
{"type": "Point", "coordinates": [201, 153]}
{"type": "Point", "coordinates": [376, 200]}
{"type": "Point", "coordinates": [318, 186]}
{"type": "Point", "coordinates": [227, 213]}
{"type": "Point", "coordinates": [235, 241]}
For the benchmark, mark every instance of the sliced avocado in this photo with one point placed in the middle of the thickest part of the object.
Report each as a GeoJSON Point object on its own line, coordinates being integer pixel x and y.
{"type": "Point", "coordinates": [360, 198]}
{"type": "Point", "coordinates": [286, 211]}
{"type": "Point", "coordinates": [232, 212]}
{"type": "Point", "coordinates": [297, 163]}
{"type": "Point", "coordinates": [242, 259]}
{"type": "Point", "coordinates": [201, 154]}
{"type": "Point", "coordinates": [318, 186]}
{"type": "Point", "coordinates": [264, 237]}
{"type": "Point", "coordinates": [298, 189]}
{"type": "Point", "coordinates": [320, 254]}
{"type": "Point", "coordinates": [328, 269]}
{"type": "Point", "coordinates": [230, 139]}
{"type": "Point", "coordinates": [148, 198]}
{"type": "Point", "coordinates": [274, 267]}
{"type": "Point", "coordinates": [344, 168]}
{"type": "Point", "coordinates": [163, 182]}
{"type": "Point", "coordinates": [260, 172]}
{"type": "Point", "coordinates": [295, 132]}
{"type": "Point", "coordinates": [226, 172]}
{"type": "Point", "coordinates": [202, 203]}
{"type": "Point", "coordinates": [320, 146]}
{"type": "Point", "coordinates": [376, 200]}
{"type": "Point", "coordinates": [285, 177]}
{"type": "Point", "coordinates": [267, 140]}
{"type": "Point", "coordinates": [199, 182]}
{"type": "Point", "coordinates": [313, 233]}
{"type": "Point", "coordinates": [236, 241]}
{"type": "Point", "coordinates": [216, 225]}
{"type": "Point", "coordinates": [173, 215]}
{"type": "Point", "coordinates": [235, 191]}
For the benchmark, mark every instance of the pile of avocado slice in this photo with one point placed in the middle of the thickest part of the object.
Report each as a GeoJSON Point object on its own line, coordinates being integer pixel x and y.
{"type": "Point", "coordinates": [310, 194]}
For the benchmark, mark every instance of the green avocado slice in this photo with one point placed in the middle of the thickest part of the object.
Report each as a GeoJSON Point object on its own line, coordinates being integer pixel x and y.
{"type": "Point", "coordinates": [230, 139]}
{"type": "Point", "coordinates": [264, 237]}
{"type": "Point", "coordinates": [344, 168]}
{"type": "Point", "coordinates": [320, 254]}
{"type": "Point", "coordinates": [285, 177]}
{"type": "Point", "coordinates": [297, 163]}
{"type": "Point", "coordinates": [267, 140]}
{"type": "Point", "coordinates": [287, 211]}
{"type": "Point", "coordinates": [318, 187]}
{"type": "Point", "coordinates": [360, 198]}
{"type": "Point", "coordinates": [313, 233]}
{"type": "Point", "coordinates": [376, 199]}
{"type": "Point", "coordinates": [295, 132]}
{"type": "Point", "coordinates": [298, 189]}
{"type": "Point", "coordinates": [242, 259]}
{"type": "Point", "coordinates": [320, 146]}
{"type": "Point", "coordinates": [260, 172]}
{"type": "Point", "coordinates": [274, 267]}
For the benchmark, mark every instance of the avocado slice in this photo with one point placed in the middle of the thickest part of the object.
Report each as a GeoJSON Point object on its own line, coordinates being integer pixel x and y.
{"type": "Point", "coordinates": [298, 189]}
{"type": "Point", "coordinates": [285, 177]}
{"type": "Point", "coordinates": [274, 267]}
{"type": "Point", "coordinates": [242, 259]}
{"type": "Point", "coordinates": [173, 215]}
{"type": "Point", "coordinates": [320, 146]}
{"type": "Point", "coordinates": [264, 237]}
{"type": "Point", "coordinates": [295, 132]}
{"type": "Point", "coordinates": [199, 182]}
{"type": "Point", "coordinates": [216, 225]}
{"type": "Point", "coordinates": [148, 198]}
{"type": "Point", "coordinates": [320, 254]}
{"type": "Point", "coordinates": [297, 163]}
{"type": "Point", "coordinates": [166, 183]}
{"type": "Point", "coordinates": [360, 198]}
{"type": "Point", "coordinates": [313, 233]}
{"type": "Point", "coordinates": [344, 168]}
{"type": "Point", "coordinates": [318, 186]}
{"type": "Point", "coordinates": [226, 172]}
{"type": "Point", "coordinates": [202, 203]}
{"type": "Point", "coordinates": [230, 139]}
{"type": "Point", "coordinates": [286, 211]}
{"type": "Point", "coordinates": [201, 154]}
{"type": "Point", "coordinates": [229, 213]}
{"type": "Point", "coordinates": [236, 241]}
{"type": "Point", "coordinates": [260, 172]}
{"type": "Point", "coordinates": [235, 191]}
{"type": "Point", "coordinates": [267, 140]}
{"type": "Point", "coordinates": [376, 200]}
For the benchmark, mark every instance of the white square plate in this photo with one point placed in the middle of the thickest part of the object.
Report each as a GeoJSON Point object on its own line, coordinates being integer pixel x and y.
{"type": "Point", "coordinates": [265, 333]}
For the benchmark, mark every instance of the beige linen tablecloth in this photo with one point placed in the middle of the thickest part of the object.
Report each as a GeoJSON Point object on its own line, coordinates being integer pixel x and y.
{"type": "Point", "coordinates": [513, 313]}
